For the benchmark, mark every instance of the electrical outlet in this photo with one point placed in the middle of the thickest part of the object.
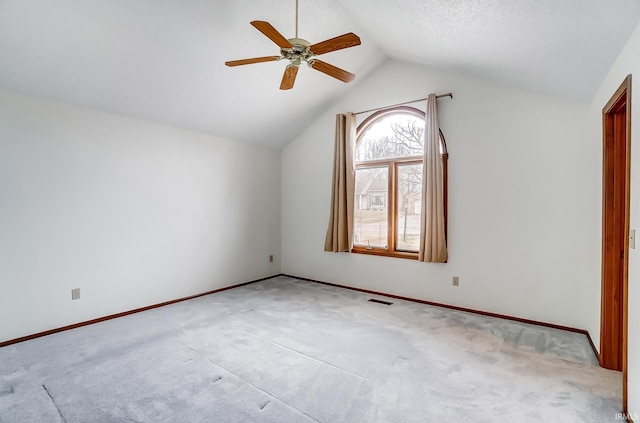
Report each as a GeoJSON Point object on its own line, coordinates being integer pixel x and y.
{"type": "Point", "coordinates": [75, 294]}
{"type": "Point", "coordinates": [271, 258]}
{"type": "Point", "coordinates": [456, 281]}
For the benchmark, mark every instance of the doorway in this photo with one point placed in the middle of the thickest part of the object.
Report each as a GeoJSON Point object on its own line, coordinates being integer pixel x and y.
{"type": "Point", "coordinates": [616, 169]}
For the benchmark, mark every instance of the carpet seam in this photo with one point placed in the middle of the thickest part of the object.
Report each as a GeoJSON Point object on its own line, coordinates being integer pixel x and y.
{"type": "Point", "coordinates": [310, 357]}
{"type": "Point", "coordinates": [252, 385]}
{"type": "Point", "coordinates": [54, 403]}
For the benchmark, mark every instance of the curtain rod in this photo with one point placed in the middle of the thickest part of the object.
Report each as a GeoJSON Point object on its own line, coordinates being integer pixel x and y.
{"type": "Point", "coordinates": [401, 104]}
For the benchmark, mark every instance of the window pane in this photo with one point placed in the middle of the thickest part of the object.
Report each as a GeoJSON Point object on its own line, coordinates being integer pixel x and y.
{"type": "Point", "coordinates": [396, 135]}
{"type": "Point", "coordinates": [409, 207]}
{"type": "Point", "coordinates": [371, 204]}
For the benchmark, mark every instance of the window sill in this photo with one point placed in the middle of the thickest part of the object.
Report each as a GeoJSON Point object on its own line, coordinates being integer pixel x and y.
{"type": "Point", "coordinates": [385, 253]}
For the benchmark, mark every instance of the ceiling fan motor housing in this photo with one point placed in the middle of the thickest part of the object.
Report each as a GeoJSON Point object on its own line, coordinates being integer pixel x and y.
{"type": "Point", "coordinates": [298, 52]}
{"type": "Point", "coordinates": [299, 42]}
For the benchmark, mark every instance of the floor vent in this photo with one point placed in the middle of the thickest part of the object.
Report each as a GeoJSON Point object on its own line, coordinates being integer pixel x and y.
{"type": "Point", "coordinates": [380, 301]}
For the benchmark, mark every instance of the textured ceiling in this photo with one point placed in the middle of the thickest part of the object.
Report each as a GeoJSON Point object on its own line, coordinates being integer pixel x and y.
{"type": "Point", "coordinates": [163, 60]}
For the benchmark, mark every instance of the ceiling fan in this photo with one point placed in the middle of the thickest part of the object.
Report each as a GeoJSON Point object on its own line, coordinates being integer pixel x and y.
{"type": "Point", "coordinates": [297, 50]}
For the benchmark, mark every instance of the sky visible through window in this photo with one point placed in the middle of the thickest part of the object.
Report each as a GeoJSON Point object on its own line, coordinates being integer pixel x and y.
{"type": "Point", "coordinates": [370, 144]}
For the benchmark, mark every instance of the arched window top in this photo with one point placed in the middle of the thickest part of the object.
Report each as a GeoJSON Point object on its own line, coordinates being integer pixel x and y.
{"type": "Point", "coordinates": [392, 133]}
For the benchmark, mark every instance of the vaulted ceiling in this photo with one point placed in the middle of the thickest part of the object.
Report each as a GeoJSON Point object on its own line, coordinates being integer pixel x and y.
{"type": "Point", "coordinates": [163, 60]}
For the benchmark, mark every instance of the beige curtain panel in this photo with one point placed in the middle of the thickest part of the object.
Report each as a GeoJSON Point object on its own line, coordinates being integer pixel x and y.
{"type": "Point", "coordinates": [433, 245]}
{"type": "Point", "coordinates": [340, 231]}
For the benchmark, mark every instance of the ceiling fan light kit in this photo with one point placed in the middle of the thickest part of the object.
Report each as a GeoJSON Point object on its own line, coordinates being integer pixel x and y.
{"type": "Point", "coordinates": [298, 50]}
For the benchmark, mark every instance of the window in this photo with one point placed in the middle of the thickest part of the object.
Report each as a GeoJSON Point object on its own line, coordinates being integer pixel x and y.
{"type": "Point", "coordinates": [388, 191]}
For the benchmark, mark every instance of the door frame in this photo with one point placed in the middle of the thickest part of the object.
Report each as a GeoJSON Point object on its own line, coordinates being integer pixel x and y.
{"type": "Point", "coordinates": [610, 308]}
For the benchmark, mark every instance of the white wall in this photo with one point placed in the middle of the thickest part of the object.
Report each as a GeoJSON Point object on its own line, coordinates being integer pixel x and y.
{"type": "Point", "coordinates": [133, 213]}
{"type": "Point", "coordinates": [523, 198]}
{"type": "Point", "coordinates": [628, 62]}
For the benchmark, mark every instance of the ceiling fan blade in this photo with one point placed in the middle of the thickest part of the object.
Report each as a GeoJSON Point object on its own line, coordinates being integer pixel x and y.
{"type": "Point", "coordinates": [331, 70]}
{"type": "Point", "coordinates": [337, 43]}
{"type": "Point", "coordinates": [253, 60]}
{"type": "Point", "coordinates": [289, 77]}
{"type": "Point", "coordinates": [272, 33]}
